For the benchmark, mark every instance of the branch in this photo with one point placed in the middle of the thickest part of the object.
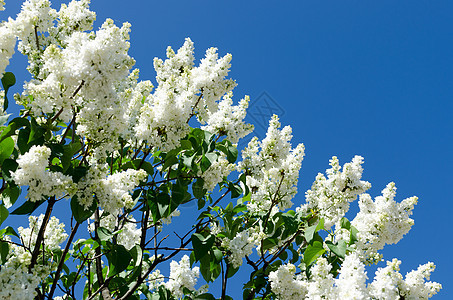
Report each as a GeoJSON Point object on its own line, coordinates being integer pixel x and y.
{"type": "Point", "coordinates": [224, 281]}
{"type": "Point", "coordinates": [105, 292]}
{"type": "Point", "coordinates": [60, 265]}
{"type": "Point", "coordinates": [193, 108]}
{"type": "Point", "coordinates": [40, 237]}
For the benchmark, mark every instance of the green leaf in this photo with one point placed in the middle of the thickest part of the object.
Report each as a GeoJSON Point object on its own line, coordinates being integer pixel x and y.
{"type": "Point", "coordinates": [137, 255]}
{"type": "Point", "coordinates": [235, 189]}
{"type": "Point", "coordinates": [201, 245]}
{"type": "Point", "coordinates": [68, 152]}
{"type": "Point", "coordinates": [207, 161]}
{"type": "Point", "coordinates": [27, 208]}
{"type": "Point", "coordinates": [310, 231]}
{"type": "Point", "coordinates": [104, 234]}
{"type": "Point", "coordinates": [231, 271]}
{"type": "Point", "coordinates": [119, 259]}
{"type": "Point", "coordinates": [36, 133]}
{"type": "Point", "coordinates": [15, 124]}
{"type": "Point", "coordinates": [8, 80]}
{"type": "Point", "coordinates": [6, 148]}
{"type": "Point", "coordinates": [353, 235]}
{"type": "Point", "coordinates": [205, 296]}
{"type": "Point", "coordinates": [3, 213]}
{"type": "Point", "coordinates": [312, 252]}
{"type": "Point", "coordinates": [345, 223]}
{"type": "Point", "coordinates": [163, 202]}
{"type": "Point", "coordinates": [22, 140]}
{"type": "Point", "coordinates": [79, 211]}
{"type": "Point", "coordinates": [138, 164]}
{"type": "Point", "coordinates": [197, 188]}
{"type": "Point", "coordinates": [10, 194]}
{"type": "Point", "coordinates": [8, 166]}
{"type": "Point", "coordinates": [339, 249]}
{"type": "Point", "coordinates": [9, 231]}
{"type": "Point", "coordinates": [4, 119]}
{"type": "Point", "coordinates": [230, 150]}
{"type": "Point", "coordinates": [4, 250]}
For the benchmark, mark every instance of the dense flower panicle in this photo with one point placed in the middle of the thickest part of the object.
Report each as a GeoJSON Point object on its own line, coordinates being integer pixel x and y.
{"type": "Point", "coordinates": [209, 78]}
{"type": "Point", "coordinates": [389, 284]}
{"type": "Point", "coordinates": [114, 191]}
{"type": "Point", "coordinates": [381, 222]}
{"type": "Point", "coordinates": [321, 284]}
{"type": "Point", "coordinates": [15, 280]}
{"type": "Point", "coordinates": [183, 91]}
{"type": "Point", "coordinates": [182, 276]}
{"type": "Point", "coordinates": [32, 172]}
{"type": "Point", "coordinates": [163, 117]}
{"type": "Point", "coordinates": [330, 196]}
{"type": "Point", "coordinates": [75, 16]}
{"type": "Point", "coordinates": [34, 15]}
{"type": "Point", "coordinates": [286, 285]}
{"type": "Point", "coordinates": [53, 236]}
{"type": "Point", "coordinates": [216, 172]}
{"type": "Point", "coordinates": [133, 94]}
{"type": "Point", "coordinates": [111, 190]}
{"type": "Point", "coordinates": [351, 283]}
{"type": "Point", "coordinates": [7, 44]}
{"type": "Point", "coordinates": [239, 247]}
{"type": "Point", "coordinates": [17, 283]}
{"type": "Point", "coordinates": [272, 169]}
{"type": "Point", "coordinates": [415, 285]}
{"type": "Point", "coordinates": [228, 119]}
{"type": "Point", "coordinates": [129, 234]}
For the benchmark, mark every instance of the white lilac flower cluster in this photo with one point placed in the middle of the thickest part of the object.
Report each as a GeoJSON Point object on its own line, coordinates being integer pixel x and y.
{"type": "Point", "coordinates": [228, 119]}
{"type": "Point", "coordinates": [388, 283]}
{"type": "Point", "coordinates": [15, 280]}
{"type": "Point", "coordinates": [184, 91]}
{"type": "Point", "coordinates": [7, 44]}
{"type": "Point", "coordinates": [75, 16]}
{"type": "Point", "coordinates": [53, 236]}
{"type": "Point", "coordinates": [330, 196]}
{"type": "Point", "coordinates": [380, 222]}
{"type": "Point", "coordinates": [129, 234]}
{"type": "Point", "coordinates": [32, 172]}
{"type": "Point", "coordinates": [216, 172]}
{"type": "Point", "coordinates": [239, 247]}
{"type": "Point", "coordinates": [182, 276]}
{"type": "Point", "coordinates": [272, 169]}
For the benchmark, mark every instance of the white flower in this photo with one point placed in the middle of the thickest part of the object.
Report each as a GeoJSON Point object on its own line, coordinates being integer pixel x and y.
{"type": "Point", "coordinates": [286, 285]}
{"type": "Point", "coordinates": [351, 283]}
{"type": "Point", "coordinates": [53, 236]}
{"type": "Point", "coordinates": [32, 172]}
{"type": "Point", "coordinates": [7, 44]}
{"type": "Point", "coordinates": [240, 246]}
{"type": "Point", "coordinates": [321, 282]}
{"type": "Point", "coordinates": [182, 276]}
{"type": "Point", "coordinates": [381, 222]}
{"type": "Point", "coordinates": [228, 119]}
{"type": "Point", "coordinates": [272, 169]}
{"type": "Point", "coordinates": [114, 191]}
{"type": "Point", "coordinates": [331, 196]}
{"type": "Point", "coordinates": [129, 234]}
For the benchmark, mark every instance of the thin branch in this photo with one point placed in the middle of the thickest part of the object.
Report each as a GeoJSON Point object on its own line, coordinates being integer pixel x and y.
{"type": "Point", "coordinates": [40, 237]}
{"type": "Point", "coordinates": [193, 108]}
{"type": "Point", "coordinates": [60, 265]}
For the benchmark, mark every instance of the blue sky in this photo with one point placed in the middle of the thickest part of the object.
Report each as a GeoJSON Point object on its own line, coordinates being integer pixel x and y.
{"type": "Point", "coordinates": [372, 78]}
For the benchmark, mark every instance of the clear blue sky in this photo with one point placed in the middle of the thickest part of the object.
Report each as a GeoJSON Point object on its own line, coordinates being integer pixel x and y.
{"type": "Point", "coordinates": [372, 78]}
